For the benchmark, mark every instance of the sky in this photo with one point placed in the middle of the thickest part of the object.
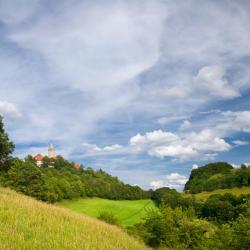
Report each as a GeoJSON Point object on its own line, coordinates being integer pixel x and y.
{"type": "Point", "coordinates": [147, 90]}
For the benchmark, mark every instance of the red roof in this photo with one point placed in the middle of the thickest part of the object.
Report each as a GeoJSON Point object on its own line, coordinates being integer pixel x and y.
{"type": "Point", "coordinates": [39, 157]}
{"type": "Point", "coordinates": [76, 165]}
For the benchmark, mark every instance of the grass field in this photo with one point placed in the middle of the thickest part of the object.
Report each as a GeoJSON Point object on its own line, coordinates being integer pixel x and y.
{"type": "Point", "coordinates": [128, 212]}
{"type": "Point", "coordinates": [27, 224]}
{"type": "Point", "coordinates": [235, 191]}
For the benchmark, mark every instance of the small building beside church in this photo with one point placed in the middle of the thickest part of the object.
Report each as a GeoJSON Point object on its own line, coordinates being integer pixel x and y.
{"type": "Point", "coordinates": [76, 165]}
{"type": "Point", "coordinates": [39, 160]}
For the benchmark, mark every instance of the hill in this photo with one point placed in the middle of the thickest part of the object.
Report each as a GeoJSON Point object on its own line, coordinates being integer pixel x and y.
{"type": "Point", "coordinates": [127, 212]}
{"type": "Point", "coordinates": [62, 181]}
{"type": "Point", "coordinates": [54, 179]}
{"type": "Point", "coordinates": [29, 224]}
{"type": "Point", "coordinates": [218, 175]}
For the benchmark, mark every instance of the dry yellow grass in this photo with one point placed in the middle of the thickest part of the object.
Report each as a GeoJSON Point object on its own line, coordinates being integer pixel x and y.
{"type": "Point", "coordinates": [29, 224]}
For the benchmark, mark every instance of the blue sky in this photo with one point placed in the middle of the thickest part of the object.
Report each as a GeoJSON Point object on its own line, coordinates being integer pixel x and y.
{"type": "Point", "coordinates": [145, 90]}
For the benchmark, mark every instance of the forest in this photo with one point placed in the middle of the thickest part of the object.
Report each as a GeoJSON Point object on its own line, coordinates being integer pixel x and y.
{"type": "Point", "coordinates": [63, 181]}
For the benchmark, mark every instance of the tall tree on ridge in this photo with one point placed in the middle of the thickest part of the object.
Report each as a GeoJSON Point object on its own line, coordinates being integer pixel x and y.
{"type": "Point", "coordinates": [6, 146]}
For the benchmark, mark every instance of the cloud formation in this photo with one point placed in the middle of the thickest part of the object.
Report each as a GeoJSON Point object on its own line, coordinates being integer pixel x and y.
{"type": "Point", "coordinates": [9, 110]}
{"type": "Point", "coordinates": [241, 143]}
{"type": "Point", "coordinates": [145, 84]}
{"type": "Point", "coordinates": [186, 145]}
{"type": "Point", "coordinates": [173, 180]}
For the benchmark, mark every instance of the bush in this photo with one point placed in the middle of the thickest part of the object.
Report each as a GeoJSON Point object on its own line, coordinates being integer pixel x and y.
{"type": "Point", "coordinates": [224, 208]}
{"type": "Point", "coordinates": [108, 217]}
{"type": "Point", "coordinates": [175, 229]}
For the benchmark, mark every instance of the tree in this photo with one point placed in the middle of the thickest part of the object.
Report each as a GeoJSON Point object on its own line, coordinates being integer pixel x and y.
{"type": "Point", "coordinates": [6, 146]}
{"type": "Point", "coordinates": [27, 178]}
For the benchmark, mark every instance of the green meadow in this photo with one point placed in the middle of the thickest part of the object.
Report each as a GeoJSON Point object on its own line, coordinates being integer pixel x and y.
{"type": "Point", "coordinates": [28, 224]}
{"type": "Point", "coordinates": [128, 212]}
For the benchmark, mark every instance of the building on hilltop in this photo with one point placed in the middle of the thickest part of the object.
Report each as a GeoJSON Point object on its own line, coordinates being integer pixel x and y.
{"type": "Point", "coordinates": [51, 151]}
{"type": "Point", "coordinates": [51, 154]}
{"type": "Point", "coordinates": [40, 159]}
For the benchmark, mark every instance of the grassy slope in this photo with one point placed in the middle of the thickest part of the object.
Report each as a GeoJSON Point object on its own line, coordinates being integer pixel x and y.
{"type": "Point", "coordinates": [235, 191]}
{"type": "Point", "coordinates": [128, 212]}
{"type": "Point", "coordinates": [29, 224]}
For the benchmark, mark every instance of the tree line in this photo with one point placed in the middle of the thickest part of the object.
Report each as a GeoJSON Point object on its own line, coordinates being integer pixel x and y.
{"type": "Point", "coordinates": [60, 182]}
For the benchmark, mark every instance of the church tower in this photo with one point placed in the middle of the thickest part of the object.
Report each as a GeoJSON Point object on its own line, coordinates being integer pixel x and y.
{"type": "Point", "coordinates": [51, 151]}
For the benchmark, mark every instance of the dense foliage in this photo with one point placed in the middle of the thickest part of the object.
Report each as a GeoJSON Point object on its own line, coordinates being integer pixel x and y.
{"type": "Point", "coordinates": [224, 208]}
{"type": "Point", "coordinates": [182, 222]}
{"type": "Point", "coordinates": [217, 175]}
{"type": "Point", "coordinates": [181, 229]}
{"type": "Point", "coordinates": [62, 181]}
{"type": "Point", "coordinates": [172, 198]}
{"type": "Point", "coordinates": [6, 146]}
{"type": "Point", "coordinates": [217, 208]}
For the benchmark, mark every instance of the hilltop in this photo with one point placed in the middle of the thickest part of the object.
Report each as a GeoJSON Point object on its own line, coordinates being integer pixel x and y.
{"type": "Point", "coordinates": [218, 175]}
{"type": "Point", "coordinates": [30, 224]}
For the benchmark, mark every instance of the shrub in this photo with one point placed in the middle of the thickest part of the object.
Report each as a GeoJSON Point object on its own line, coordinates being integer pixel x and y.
{"type": "Point", "coordinates": [108, 217]}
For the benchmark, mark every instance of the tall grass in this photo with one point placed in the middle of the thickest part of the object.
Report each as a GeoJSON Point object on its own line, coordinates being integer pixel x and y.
{"type": "Point", "coordinates": [29, 224]}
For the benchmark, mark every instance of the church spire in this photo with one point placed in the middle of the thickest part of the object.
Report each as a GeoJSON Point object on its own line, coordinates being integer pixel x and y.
{"type": "Point", "coordinates": [51, 151]}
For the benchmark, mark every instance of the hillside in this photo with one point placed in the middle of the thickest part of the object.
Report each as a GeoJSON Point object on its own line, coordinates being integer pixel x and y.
{"type": "Point", "coordinates": [62, 181]}
{"type": "Point", "coordinates": [218, 175]}
{"type": "Point", "coordinates": [126, 211]}
{"type": "Point", "coordinates": [29, 224]}
{"type": "Point", "coordinates": [235, 191]}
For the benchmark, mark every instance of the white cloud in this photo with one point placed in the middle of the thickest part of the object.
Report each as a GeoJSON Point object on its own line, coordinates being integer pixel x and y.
{"type": "Point", "coordinates": [195, 166]}
{"type": "Point", "coordinates": [176, 92]}
{"type": "Point", "coordinates": [85, 54]}
{"type": "Point", "coordinates": [156, 184]}
{"type": "Point", "coordinates": [189, 146]}
{"type": "Point", "coordinates": [155, 137]}
{"type": "Point", "coordinates": [211, 80]}
{"type": "Point", "coordinates": [97, 45]}
{"type": "Point", "coordinates": [94, 149]}
{"type": "Point", "coordinates": [234, 121]}
{"type": "Point", "coordinates": [9, 110]}
{"type": "Point", "coordinates": [173, 180]}
{"type": "Point", "coordinates": [175, 151]}
{"type": "Point", "coordinates": [241, 143]}
{"type": "Point", "coordinates": [160, 144]}
{"type": "Point", "coordinates": [209, 83]}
